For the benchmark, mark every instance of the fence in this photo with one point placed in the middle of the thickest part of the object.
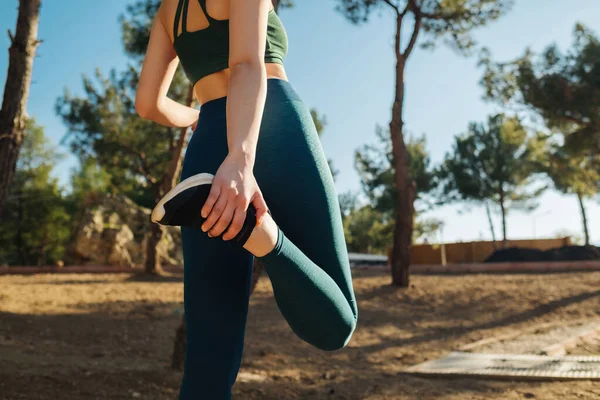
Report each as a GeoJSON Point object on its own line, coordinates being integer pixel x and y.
{"type": "Point", "coordinates": [474, 252]}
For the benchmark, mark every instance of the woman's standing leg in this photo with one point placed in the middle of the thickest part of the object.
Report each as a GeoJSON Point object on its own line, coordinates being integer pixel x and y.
{"type": "Point", "coordinates": [217, 277]}
{"type": "Point", "coordinates": [216, 293]}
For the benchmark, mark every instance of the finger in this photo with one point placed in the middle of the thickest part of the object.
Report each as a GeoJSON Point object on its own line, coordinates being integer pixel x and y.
{"type": "Point", "coordinates": [236, 224]}
{"type": "Point", "coordinates": [261, 207]}
{"type": "Point", "coordinates": [215, 213]}
{"type": "Point", "coordinates": [223, 220]}
{"type": "Point", "coordinates": [213, 195]}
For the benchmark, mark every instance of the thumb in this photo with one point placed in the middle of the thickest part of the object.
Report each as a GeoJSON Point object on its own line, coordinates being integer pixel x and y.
{"type": "Point", "coordinates": [261, 207]}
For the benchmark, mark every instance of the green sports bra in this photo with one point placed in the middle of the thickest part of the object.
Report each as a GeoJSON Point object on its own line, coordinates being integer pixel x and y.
{"type": "Point", "coordinates": [206, 51]}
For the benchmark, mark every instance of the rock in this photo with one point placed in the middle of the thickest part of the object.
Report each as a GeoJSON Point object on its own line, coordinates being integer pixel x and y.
{"type": "Point", "coordinates": [114, 231]}
{"type": "Point", "coordinates": [118, 241]}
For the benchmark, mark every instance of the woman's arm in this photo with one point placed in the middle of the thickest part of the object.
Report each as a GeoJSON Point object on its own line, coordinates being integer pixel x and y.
{"type": "Point", "coordinates": [234, 186]}
{"type": "Point", "coordinates": [248, 78]}
{"type": "Point", "coordinates": [160, 63]}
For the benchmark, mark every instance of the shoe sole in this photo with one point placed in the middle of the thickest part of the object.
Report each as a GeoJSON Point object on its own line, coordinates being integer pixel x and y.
{"type": "Point", "coordinates": [195, 180]}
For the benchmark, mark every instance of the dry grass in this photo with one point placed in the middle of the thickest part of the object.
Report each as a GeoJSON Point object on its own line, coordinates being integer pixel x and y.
{"type": "Point", "coordinates": [92, 336]}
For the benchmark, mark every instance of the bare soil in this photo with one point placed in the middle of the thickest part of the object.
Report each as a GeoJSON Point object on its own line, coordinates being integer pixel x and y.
{"type": "Point", "coordinates": [589, 347]}
{"type": "Point", "coordinates": [110, 336]}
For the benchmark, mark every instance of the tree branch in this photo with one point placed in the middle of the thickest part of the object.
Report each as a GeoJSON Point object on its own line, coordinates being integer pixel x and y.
{"type": "Point", "coordinates": [576, 120]}
{"type": "Point", "coordinates": [395, 7]}
{"type": "Point", "coordinates": [406, 9]}
{"type": "Point", "coordinates": [146, 175]}
{"type": "Point", "coordinates": [415, 33]}
{"type": "Point", "coordinates": [143, 167]}
{"type": "Point", "coordinates": [398, 37]}
{"type": "Point", "coordinates": [450, 16]}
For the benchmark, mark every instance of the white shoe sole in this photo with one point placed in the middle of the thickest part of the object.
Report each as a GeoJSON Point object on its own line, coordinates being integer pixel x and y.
{"type": "Point", "coordinates": [195, 180]}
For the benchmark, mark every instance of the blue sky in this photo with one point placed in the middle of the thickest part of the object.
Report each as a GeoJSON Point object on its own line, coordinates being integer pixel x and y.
{"type": "Point", "coordinates": [347, 73]}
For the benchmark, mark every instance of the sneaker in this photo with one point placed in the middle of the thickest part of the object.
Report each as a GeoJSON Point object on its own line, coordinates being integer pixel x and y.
{"type": "Point", "coordinates": [181, 206]}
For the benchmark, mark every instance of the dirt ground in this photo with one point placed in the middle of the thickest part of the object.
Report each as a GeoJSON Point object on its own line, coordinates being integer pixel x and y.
{"type": "Point", "coordinates": [91, 336]}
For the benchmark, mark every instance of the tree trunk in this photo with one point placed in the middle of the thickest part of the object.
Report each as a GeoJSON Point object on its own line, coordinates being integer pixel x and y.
{"type": "Point", "coordinates": [404, 184]}
{"type": "Point", "coordinates": [584, 219]}
{"type": "Point", "coordinates": [153, 266]}
{"type": "Point", "coordinates": [489, 215]}
{"type": "Point", "coordinates": [13, 117]}
{"type": "Point", "coordinates": [256, 272]}
{"type": "Point", "coordinates": [503, 219]}
{"type": "Point", "coordinates": [19, 234]}
{"type": "Point", "coordinates": [178, 358]}
{"type": "Point", "coordinates": [172, 174]}
{"type": "Point", "coordinates": [43, 249]}
{"type": "Point", "coordinates": [169, 180]}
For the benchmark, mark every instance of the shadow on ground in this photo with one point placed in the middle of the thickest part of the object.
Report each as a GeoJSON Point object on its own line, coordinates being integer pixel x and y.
{"type": "Point", "coordinates": [111, 336]}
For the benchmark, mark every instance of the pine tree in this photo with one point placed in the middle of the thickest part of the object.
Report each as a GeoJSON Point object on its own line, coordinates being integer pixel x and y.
{"type": "Point", "coordinates": [431, 20]}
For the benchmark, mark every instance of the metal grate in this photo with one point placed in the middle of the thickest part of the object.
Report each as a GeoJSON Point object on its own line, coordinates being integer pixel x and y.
{"type": "Point", "coordinates": [512, 365]}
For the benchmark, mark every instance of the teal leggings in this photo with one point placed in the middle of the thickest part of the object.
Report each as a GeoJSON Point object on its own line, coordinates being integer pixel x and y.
{"type": "Point", "coordinates": [308, 268]}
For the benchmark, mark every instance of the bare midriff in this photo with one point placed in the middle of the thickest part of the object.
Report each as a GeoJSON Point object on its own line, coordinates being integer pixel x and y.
{"type": "Point", "coordinates": [216, 85]}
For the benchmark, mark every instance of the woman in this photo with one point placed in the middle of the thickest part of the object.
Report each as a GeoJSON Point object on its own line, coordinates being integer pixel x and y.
{"type": "Point", "coordinates": [254, 144]}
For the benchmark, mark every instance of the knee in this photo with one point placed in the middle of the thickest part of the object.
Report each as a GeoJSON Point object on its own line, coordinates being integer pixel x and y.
{"type": "Point", "coordinates": [338, 335]}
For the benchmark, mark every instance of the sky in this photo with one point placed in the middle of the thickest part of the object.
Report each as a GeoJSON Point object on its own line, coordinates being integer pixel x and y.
{"type": "Point", "coordinates": [346, 71]}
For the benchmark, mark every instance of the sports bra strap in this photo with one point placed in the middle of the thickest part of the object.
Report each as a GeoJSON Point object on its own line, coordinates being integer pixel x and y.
{"type": "Point", "coordinates": [186, 3]}
{"type": "Point", "coordinates": [177, 19]}
{"type": "Point", "coordinates": [203, 5]}
{"type": "Point", "coordinates": [181, 15]}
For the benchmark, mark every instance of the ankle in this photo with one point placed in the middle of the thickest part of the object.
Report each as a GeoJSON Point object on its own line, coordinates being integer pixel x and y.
{"type": "Point", "coordinates": [263, 238]}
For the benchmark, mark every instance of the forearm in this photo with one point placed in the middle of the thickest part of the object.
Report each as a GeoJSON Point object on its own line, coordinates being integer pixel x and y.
{"type": "Point", "coordinates": [245, 104]}
{"type": "Point", "coordinates": [169, 113]}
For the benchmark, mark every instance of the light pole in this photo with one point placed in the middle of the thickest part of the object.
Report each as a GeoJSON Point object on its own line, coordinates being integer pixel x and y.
{"type": "Point", "coordinates": [442, 245]}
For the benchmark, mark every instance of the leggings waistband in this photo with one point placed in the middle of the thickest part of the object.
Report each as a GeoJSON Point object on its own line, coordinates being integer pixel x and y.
{"type": "Point", "coordinates": [277, 90]}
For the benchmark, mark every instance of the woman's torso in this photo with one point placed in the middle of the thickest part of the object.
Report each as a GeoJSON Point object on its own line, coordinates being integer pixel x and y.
{"type": "Point", "coordinates": [213, 85]}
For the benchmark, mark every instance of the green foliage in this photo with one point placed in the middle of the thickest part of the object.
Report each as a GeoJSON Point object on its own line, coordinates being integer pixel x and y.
{"type": "Point", "coordinates": [449, 20]}
{"type": "Point", "coordinates": [348, 203]}
{"type": "Point", "coordinates": [375, 169]}
{"type": "Point", "coordinates": [35, 225]}
{"type": "Point", "coordinates": [88, 178]}
{"type": "Point", "coordinates": [136, 25]}
{"type": "Point", "coordinates": [571, 173]}
{"type": "Point", "coordinates": [373, 163]}
{"type": "Point", "coordinates": [367, 230]}
{"type": "Point", "coordinates": [279, 4]}
{"type": "Point", "coordinates": [563, 88]}
{"type": "Point", "coordinates": [320, 122]}
{"type": "Point", "coordinates": [427, 229]}
{"type": "Point", "coordinates": [495, 162]}
{"type": "Point", "coordinates": [432, 20]}
{"type": "Point", "coordinates": [102, 124]}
